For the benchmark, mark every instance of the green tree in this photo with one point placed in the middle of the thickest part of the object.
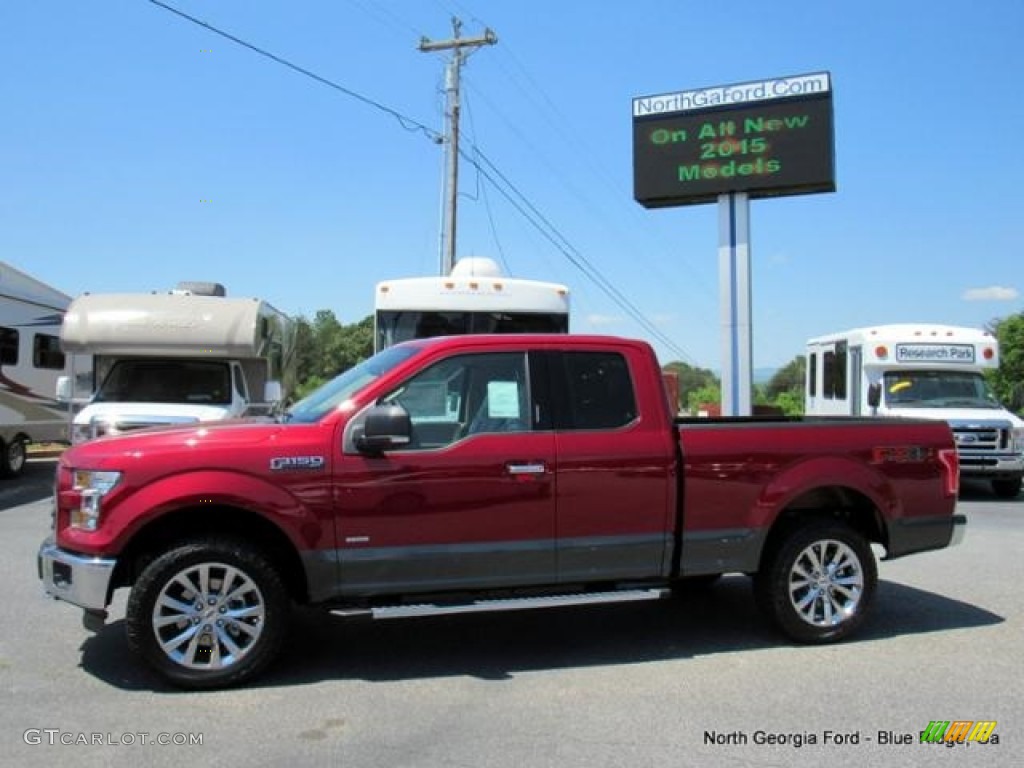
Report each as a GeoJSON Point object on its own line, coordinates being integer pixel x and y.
{"type": "Point", "coordinates": [1008, 381]}
{"type": "Point", "coordinates": [706, 395]}
{"type": "Point", "coordinates": [789, 378]}
{"type": "Point", "coordinates": [785, 390]}
{"type": "Point", "coordinates": [325, 347]}
{"type": "Point", "coordinates": [691, 380]}
{"type": "Point", "coordinates": [791, 403]}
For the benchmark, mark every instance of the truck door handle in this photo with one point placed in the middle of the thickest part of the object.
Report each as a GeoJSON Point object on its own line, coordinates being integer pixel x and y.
{"type": "Point", "coordinates": [526, 468]}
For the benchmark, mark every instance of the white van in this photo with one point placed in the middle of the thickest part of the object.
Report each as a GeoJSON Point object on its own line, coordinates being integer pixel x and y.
{"type": "Point", "coordinates": [923, 371]}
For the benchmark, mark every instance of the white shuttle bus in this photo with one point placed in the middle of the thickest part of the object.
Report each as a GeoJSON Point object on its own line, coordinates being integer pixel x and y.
{"type": "Point", "coordinates": [922, 371]}
{"type": "Point", "coordinates": [31, 362]}
{"type": "Point", "coordinates": [475, 298]}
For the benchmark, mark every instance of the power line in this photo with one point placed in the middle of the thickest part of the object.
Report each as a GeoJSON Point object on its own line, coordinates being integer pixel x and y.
{"type": "Point", "coordinates": [501, 182]}
{"type": "Point", "coordinates": [405, 121]}
{"type": "Point", "coordinates": [522, 204]}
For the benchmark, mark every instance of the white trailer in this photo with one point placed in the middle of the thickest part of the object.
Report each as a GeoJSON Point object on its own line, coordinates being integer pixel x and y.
{"type": "Point", "coordinates": [186, 356]}
{"type": "Point", "coordinates": [31, 361]}
{"type": "Point", "coordinates": [923, 371]}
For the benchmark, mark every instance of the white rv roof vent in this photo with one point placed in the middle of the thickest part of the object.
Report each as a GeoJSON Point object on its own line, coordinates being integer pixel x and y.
{"type": "Point", "coordinates": [189, 288]}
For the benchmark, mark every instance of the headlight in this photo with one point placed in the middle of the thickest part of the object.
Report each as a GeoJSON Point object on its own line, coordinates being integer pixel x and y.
{"type": "Point", "coordinates": [1017, 438]}
{"type": "Point", "coordinates": [91, 487]}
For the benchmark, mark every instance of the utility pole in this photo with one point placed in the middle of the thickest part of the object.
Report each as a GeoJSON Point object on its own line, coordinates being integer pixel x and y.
{"type": "Point", "coordinates": [461, 47]}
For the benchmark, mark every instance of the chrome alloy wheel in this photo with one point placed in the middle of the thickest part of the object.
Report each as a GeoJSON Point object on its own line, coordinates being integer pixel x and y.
{"type": "Point", "coordinates": [208, 616]}
{"type": "Point", "coordinates": [826, 583]}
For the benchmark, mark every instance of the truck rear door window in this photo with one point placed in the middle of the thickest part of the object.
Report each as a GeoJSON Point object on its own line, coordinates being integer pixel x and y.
{"type": "Point", "coordinates": [600, 391]}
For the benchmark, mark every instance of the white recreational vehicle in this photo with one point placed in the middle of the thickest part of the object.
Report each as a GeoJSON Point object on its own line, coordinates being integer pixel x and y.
{"type": "Point", "coordinates": [185, 356]}
{"type": "Point", "coordinates": [31, 361]}
{"type": "Point", "coordinates": [924, 371]}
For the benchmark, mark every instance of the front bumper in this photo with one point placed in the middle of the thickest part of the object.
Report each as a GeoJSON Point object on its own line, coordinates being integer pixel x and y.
{"type": "Point", "coordinates": [981, 465]}
{"type": "Point", "coordinates": [77, 579]}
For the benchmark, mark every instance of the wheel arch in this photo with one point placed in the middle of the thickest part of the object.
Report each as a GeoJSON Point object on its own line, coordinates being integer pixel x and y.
{"type": "Point", "coordinates": [193, 522]}
{"type": "Point", "coordinates": [838, 503]}
{"type": "Point", "coordinates": [835, 487]}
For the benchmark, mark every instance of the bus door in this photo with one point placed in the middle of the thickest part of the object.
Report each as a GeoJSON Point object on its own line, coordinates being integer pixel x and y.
{"type": "Point", "coordinates": [856, 380]}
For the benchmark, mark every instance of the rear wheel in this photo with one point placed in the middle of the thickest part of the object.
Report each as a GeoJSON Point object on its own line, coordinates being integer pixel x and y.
{"type": "Point", "coordinates": [208, 614]}
{"type": "Point", "coordinates": [13, 456]}
{"type": "Point", "coordinates": [817, 585]}
{"type": "Point", "coordinates": [1007, 487]}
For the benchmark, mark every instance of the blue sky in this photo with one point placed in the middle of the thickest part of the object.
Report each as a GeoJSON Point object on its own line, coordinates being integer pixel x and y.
{"type": "Point", "coordinates": [138, 150]}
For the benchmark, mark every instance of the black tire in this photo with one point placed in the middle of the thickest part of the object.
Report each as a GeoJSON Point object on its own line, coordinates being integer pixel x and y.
{"type": "Point", "coordinates": [1007, 487]}
{"type": "Point", "coordinates": [223, 630]}
{"type": "Point", "coordinates": [818, 583]}
{"type": "Point", "coordinates": [13, 456]}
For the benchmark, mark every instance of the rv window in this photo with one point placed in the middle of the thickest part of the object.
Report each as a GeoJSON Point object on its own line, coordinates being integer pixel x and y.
{"type": "Point", "coordinates": [812, 374]}
{"type": "Point", "coordinates": [46, 352]}
{"type": "Point", "coordinates": [8, 346]}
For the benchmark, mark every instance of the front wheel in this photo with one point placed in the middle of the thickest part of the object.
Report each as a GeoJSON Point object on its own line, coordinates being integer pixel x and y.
{"type": "Point", "coordinates": [208, 614]}
{"type": "Point", "coordinates": [818, 583]}
{"type": "Point", "coordinates": [1007, 487]}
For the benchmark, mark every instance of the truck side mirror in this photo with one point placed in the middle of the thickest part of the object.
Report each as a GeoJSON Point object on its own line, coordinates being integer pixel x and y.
{"type": "Point", "coordinates": [386, 427]}
{"type": "Point", "coordinates": [874, 394]}
{"type": "Point", "coordinates": [64, 389]}
{"type": "Point", "coordinates": [272, 392]}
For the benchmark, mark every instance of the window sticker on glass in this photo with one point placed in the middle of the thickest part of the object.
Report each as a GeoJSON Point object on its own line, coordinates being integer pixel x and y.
{"type": "Point", "coordinates": [502, 400]}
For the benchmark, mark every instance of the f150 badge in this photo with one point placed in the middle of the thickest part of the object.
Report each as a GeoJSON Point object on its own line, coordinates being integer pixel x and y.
{"type": "Point", "coordinates": [284, 463]}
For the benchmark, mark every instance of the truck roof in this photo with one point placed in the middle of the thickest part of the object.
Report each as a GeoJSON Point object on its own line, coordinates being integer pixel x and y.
{"type": "Point", "coordinates": [530, 340]}
{"type": "Point", "coordinates": [169, 324]}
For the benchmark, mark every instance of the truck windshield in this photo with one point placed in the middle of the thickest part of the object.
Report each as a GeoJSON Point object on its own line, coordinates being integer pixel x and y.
{"type": "Point", "coordinates": [938, 389]}
{"type": "Point", "coordinates": [322, 401]}
{"type": "Point", "coordinates": [167, 381]}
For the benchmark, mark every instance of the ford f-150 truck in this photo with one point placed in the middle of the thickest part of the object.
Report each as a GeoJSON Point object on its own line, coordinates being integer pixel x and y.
{"type": "Point", "coordinates": [477, 473]}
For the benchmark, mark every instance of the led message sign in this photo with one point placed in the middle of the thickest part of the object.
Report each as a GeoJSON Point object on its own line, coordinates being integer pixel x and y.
{"type": "Point", "coordinates": [767, 138]}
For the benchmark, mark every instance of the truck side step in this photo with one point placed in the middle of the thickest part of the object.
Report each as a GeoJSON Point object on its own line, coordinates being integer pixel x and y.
{"type": "Point", "coordinates": [503, 604]}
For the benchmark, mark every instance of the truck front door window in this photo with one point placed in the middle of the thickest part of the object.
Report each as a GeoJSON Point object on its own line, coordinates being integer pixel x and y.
{"type": "Point", "coordinates": [464, 396]}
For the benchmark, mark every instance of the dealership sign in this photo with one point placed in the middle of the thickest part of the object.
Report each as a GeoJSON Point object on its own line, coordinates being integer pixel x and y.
{"type": "Point", "coordinates": [766, 138]}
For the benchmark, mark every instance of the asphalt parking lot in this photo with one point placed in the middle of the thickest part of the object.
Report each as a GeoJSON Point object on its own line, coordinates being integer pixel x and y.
{"type": "Point", "coordinates": [698, 681]}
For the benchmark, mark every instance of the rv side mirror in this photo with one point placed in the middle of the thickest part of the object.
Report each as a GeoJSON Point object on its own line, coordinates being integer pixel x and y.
{"type": "Point", "coordinates": [874, 395]}
{"type": "Point", "coordinates": [386, 427]}
{"type": "Point", "coordinates": [272, 392]}
{"type": "Point", "coordinates": [64, 389]}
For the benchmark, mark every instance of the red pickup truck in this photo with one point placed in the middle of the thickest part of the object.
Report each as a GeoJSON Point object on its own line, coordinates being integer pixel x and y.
{"type": "Point", "coordinates": [478, 473]}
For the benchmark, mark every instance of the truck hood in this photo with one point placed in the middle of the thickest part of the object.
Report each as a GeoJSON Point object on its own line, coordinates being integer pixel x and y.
{"type": "Point", "coordinates": [961, 416]}
{"type": "Point", "coordinates": [153, 413]}
{"type": "Point", "coordinates": [211, 445]}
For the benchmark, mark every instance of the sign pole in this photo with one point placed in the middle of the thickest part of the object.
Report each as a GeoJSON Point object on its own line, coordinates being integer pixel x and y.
{"type": "Point", "coordinates": [734, 285]}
